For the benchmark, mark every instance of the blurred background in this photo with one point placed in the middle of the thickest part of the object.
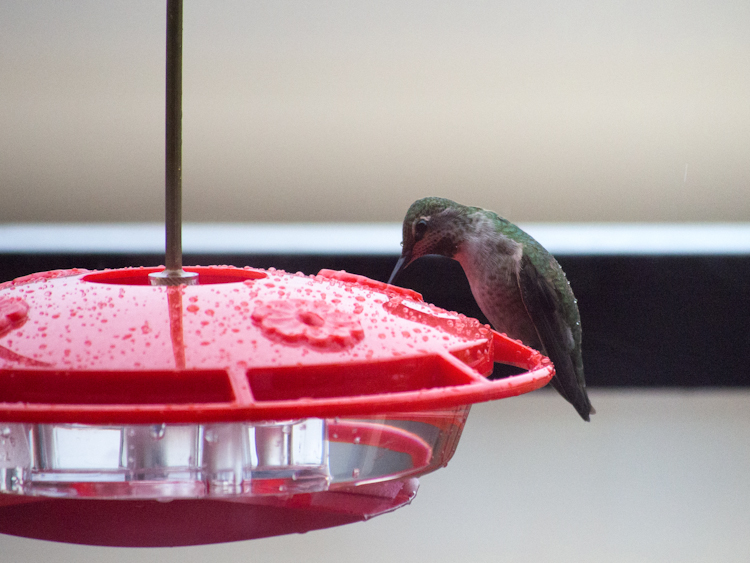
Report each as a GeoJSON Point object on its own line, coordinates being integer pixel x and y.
{"type": "Point", "coordinates": [349, 111]}
{"type": "Point", "coordinates": [341, 111]}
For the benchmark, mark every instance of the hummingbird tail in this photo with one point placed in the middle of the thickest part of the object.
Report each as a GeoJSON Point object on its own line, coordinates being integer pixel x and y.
{"type": "Point", "coordinates": [576, 396]}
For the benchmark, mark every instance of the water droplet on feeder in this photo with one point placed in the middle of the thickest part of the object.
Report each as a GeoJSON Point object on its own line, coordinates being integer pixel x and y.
{"type": "Point", "coordinates": [157, 431]}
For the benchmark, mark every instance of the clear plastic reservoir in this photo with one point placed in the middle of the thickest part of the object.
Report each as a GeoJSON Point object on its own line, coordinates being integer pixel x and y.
{"type": "Point", "coordinates": [169, 461]}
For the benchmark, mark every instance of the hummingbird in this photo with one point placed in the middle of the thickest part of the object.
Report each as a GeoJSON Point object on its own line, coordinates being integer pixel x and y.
{"type": "Point", "coordinates": [517, 283]}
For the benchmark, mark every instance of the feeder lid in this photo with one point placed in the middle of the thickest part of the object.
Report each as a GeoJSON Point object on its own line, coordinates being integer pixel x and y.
{"type": "Point", "coordinates": [245, 344]}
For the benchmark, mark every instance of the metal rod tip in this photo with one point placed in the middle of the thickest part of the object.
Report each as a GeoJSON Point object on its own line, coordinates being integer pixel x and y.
{"type": "Point", "coordinates": [173, 277]}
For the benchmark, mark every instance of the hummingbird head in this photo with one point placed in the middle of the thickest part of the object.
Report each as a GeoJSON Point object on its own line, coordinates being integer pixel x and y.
{"type": "Point", "coordinates": [432, 225]}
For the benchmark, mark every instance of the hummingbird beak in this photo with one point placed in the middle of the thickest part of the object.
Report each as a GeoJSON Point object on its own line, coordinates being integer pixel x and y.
{"type": "Point", "coordinates": [402, 263]}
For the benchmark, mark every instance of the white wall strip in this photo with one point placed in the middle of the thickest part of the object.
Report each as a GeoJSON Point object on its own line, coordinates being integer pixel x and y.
{"type": "Point", "coordinates": [361, 238]}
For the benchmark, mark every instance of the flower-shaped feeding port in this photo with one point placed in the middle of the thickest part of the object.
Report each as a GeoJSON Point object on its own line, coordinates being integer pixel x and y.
{"type": "Point", "coordinates": [299, 401]}
{"type": "Point", "coordinates": [315, 323]}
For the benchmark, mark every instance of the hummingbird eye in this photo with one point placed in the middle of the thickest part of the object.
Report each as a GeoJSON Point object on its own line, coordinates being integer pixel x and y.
{"type": "Point", "coordinates": [420, 229]}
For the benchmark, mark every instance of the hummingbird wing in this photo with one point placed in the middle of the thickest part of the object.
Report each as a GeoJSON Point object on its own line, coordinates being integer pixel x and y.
{"type": "Point", "coordinates": [545, 307]}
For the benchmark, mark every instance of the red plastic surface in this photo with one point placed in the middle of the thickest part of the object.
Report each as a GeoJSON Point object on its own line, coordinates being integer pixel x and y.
{"type": "Point", "coordinates": [151, 523]}
{"type": "Point", "coordinates": [245, 344]}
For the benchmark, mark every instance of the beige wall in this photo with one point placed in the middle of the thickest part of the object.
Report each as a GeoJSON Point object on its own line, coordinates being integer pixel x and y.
{"type": "Point", "coordinates": [348, 111]}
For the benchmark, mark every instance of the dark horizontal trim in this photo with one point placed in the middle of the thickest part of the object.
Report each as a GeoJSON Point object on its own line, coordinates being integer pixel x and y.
{"type": "Point", "coordinates": [648, 321]}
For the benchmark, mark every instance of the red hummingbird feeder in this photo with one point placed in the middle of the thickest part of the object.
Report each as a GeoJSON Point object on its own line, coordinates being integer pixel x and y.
{"type": "Point", "coordinates": [171, 406]}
